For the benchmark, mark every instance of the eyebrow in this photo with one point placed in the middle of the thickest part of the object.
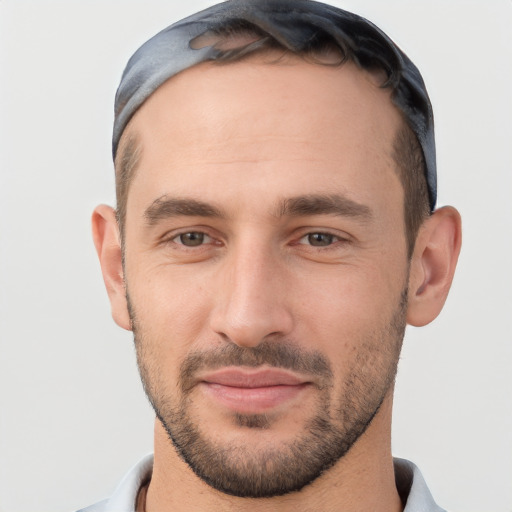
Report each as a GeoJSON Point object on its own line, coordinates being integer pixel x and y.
{"type": "Point", "coordinates": [332, 204]}
{"type": "Point", "coordinates": [300, 206]}
{"type": "Point", "coordinates": [167, 207]}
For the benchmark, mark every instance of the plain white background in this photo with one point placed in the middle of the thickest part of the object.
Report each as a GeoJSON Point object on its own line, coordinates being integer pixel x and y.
{"type": "Point", "coordinates": [73, 417]}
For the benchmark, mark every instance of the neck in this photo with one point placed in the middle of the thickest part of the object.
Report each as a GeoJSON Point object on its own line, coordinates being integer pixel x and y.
{"type": "Point", "coordinates": [362, 480]}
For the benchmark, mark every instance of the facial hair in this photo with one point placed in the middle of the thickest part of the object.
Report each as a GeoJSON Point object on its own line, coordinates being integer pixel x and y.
{"type": "Point", "coordinates": [339, 420]}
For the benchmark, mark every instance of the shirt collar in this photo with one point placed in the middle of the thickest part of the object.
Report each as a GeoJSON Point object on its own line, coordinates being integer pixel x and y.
{"type": "Point", "coordinates": [413, 489]}
{"type": "Point", "coordinates": [409, 482]}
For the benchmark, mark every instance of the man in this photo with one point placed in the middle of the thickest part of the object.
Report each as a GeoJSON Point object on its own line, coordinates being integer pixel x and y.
{"type": "Point", "coordinates": [274, 233]}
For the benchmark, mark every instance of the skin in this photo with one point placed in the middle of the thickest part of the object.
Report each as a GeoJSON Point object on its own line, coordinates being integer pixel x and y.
{"type": "Point", "coordinates": [244, 139]}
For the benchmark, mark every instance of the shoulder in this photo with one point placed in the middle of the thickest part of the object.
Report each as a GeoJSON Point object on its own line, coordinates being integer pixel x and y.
{"type": "Point", "coordinates": [97, 507]}
{"type": "Point", "coordinates": [125, 495]}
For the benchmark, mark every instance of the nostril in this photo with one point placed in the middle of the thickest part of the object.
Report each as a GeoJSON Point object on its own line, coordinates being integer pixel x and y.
{"type": "Point", "coordinates": [251, 328]}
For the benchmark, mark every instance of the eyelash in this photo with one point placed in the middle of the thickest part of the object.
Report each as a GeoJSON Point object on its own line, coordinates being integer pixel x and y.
{"type": "Point", "coordinates": [332, 239]}
{"type": "Point", "coordinates": [178, 239]}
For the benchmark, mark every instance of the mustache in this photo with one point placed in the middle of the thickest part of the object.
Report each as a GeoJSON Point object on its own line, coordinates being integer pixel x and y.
{"type": "Point", "coordinates": [277, 354]}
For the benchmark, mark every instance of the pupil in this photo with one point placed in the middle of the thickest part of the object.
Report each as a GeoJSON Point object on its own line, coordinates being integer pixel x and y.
{"type": "Point", "coordinates": [320, 239]}
{"type": "Point", "coordinates": [192, 239]}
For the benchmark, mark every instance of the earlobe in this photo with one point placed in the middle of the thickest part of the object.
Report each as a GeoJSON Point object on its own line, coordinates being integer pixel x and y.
{"type": "Point", "coordinates": [108, 246]}
{"type": "Point", "coordinates": [433, 265]}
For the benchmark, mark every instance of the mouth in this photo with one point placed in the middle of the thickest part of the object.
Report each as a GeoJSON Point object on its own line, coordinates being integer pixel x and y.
{"type": "Point", "coordinates": [253, 391]}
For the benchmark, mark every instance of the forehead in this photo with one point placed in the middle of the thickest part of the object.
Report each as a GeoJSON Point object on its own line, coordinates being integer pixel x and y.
{"type": "Point", "coordinates": [266, 109]}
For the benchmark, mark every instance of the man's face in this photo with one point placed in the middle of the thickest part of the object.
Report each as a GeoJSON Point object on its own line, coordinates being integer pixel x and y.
{"type": "Point", "coordinates": [266, 268]}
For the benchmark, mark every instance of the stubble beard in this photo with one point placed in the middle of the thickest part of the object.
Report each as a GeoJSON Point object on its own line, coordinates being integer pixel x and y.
{"type": "Point", "coordinates": [337, 423]}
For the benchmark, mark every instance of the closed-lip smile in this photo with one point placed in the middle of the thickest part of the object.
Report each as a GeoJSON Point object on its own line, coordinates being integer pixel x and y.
{"type": "Point", "coordinates": [252, 390]}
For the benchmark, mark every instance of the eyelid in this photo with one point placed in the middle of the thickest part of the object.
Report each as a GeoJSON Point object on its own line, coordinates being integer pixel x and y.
{"type": "Point", "coordinates": [341, 236]}
{"type": "Point", "coordinates": [178, 235]}
{"type": "Point", "coordinates": [336, 240]}
{"type": "Point", "coordinates": [169, 237]}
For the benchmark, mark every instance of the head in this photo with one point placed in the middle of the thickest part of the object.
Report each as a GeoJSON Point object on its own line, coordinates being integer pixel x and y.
{"type": "Point", "coordinates": [234, 31]}
{"type": "Point", "coordinates": [274, 239]}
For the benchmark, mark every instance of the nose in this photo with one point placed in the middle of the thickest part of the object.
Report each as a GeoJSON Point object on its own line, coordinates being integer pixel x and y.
{"type": "Point", "coordinates": [252, 302]}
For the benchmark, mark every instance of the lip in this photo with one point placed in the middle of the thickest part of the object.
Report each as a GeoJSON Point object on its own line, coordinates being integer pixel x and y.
{"type": "Point", "coordinates": [252, 391]}
{"type": "Point", "coordinates": [252, 378]}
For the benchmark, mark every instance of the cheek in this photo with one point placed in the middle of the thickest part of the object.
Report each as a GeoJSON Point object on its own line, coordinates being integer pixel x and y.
{"type": "Point", "coordinates": [171, 309]}
{"type": "Point", "coordinates": [348, 307]}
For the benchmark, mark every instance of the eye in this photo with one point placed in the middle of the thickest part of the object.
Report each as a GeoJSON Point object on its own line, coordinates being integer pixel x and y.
{"type": "Point", "coordinates": [319, 239]}
{"type": "Point", "coordinates": [192, 239]}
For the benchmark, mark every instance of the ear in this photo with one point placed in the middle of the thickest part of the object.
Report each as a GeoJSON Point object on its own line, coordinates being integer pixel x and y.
{"type": "Point", "coordinates": [105, 232]}
{"type": "Point", "coordinates": [433, 264]}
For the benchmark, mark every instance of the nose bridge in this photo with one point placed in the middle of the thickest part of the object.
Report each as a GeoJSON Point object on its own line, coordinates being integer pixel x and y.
{"type": "Point", "coordinates": [251, 303]}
